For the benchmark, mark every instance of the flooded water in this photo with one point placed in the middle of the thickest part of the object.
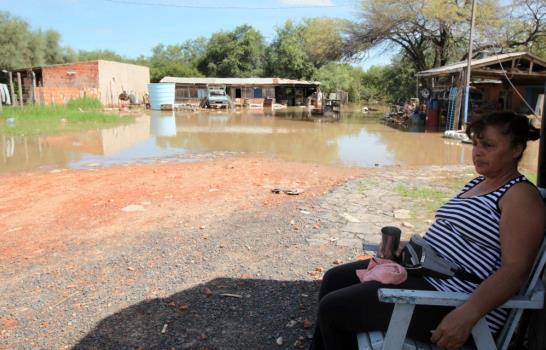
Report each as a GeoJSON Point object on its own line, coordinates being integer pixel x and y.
{"type": "Point", "coordinates": [354, 139]}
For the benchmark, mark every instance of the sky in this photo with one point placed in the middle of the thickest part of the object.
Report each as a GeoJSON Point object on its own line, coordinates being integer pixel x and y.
{"type": "Point", "coordinates": [133, 27]}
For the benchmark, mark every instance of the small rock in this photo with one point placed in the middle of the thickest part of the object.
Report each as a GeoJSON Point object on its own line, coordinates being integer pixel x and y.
{"type": "Point", "coordinates": [291, 323]}
{"type": "Point", "coordinates": [305, 212]}
{"type": "Point", "coordinates": [279, 341]}
{"type": "Point", "coordinates": [207, 292]}
{"type": "Point", "coordinates": [407, 224]}
{"type": "Point", "coordinates": [307, 324]}
{"type": "Point", "coordinates": [337, 261]}
{"type": "Point", "coordinates": [132, 208]}
{"type": "Point", "coordinates": [349, 217]}
{"type": "Point", "coordinates": [402, 214]}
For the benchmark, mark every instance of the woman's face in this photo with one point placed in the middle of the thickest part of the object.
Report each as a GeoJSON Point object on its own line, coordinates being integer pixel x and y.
{"type": "Point", "coordinates": [493, 153]}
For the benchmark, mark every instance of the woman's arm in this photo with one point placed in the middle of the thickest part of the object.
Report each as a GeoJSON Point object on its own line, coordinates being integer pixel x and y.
{"type": "Point", "coordinates": [521, 231]}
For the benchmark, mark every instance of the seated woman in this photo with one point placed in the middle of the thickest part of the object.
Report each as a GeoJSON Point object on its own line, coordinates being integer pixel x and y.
{"type": "Point", "coordinates": [492, 228]}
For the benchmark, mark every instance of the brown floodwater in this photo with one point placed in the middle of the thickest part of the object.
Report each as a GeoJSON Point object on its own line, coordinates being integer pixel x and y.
{"type": "Point", "coordinates": [354, 139]}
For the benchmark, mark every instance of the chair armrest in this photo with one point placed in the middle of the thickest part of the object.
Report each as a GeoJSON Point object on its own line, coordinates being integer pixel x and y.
{"type": "Point", "coordinates": [421, 297]}
{"type": "Point", "coordinates": [426, 297]}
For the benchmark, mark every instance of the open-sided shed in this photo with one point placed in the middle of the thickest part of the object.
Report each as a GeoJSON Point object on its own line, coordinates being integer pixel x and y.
{"type": "Point", "coordinates": [514, 81]}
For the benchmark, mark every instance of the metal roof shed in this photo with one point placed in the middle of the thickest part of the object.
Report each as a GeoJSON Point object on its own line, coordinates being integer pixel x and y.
{"type": "Point", "coordinates": [510, 69]}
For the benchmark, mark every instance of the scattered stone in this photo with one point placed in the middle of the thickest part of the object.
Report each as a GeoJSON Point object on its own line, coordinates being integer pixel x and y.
{"type": "Point", "coordinates": [132, 208]}
{"type": "Point", "coordinates": [291, 323]}
{"type": "Point", "coordinates": [407, 224]}
{"type": "Point", "coordinates": [402, 214]}
{"type": "Point", "coordinates": [349, 217]}
{"type": "Point", "coordinates": [238, 296]}
{"type": "Point", "coordinates": [305, 212]}
{"type": "Point", "coordinates": [337, 262]}
{"type": "Point", "coordinates": [279, 341]}
{"type": "Point", "coordinates": [208, 292]}
{"type": "Point", "coordinates": [307, 324]}
{"type": "Point", "coordinates": [164, 329]}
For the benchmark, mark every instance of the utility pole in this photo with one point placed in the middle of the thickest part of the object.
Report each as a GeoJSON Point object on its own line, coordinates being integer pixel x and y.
{"type": "Point", "coordinates": [468, 67]}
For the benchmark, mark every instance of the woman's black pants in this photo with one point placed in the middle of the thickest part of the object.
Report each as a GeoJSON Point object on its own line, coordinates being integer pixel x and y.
{"type": "Point", "coordinates": [347, 307]}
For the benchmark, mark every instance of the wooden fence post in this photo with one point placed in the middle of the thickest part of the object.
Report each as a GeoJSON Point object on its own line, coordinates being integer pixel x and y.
{"type": "Point", "coordinates": [13, 97]}
{"type": "Point", "coordinates": [20, 86]}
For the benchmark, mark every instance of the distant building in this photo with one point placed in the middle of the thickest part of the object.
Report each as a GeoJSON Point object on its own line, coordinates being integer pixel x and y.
{"type": "Point", "coordinates": [244, 91]}
{"type": "Point", "coordinates": [105, 80]}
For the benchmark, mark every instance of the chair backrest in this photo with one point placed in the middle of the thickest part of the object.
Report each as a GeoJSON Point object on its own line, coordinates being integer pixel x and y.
{"type": "Point", "coordinates": [535, 276]}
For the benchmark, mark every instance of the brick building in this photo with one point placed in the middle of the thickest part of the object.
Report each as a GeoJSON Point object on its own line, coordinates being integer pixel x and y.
{"type": "Point", "coordinates": [105, 80]}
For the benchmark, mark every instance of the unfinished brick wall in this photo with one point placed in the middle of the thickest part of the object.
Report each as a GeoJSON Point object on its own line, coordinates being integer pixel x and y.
{"type": "Point", "coordinates": [61, 95]}
{"type": "Point", "coordinates": [77, 75]}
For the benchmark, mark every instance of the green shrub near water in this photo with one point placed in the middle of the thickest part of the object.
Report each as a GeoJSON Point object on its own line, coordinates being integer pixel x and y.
{"type": "Point", "coordinates": [78, 114]}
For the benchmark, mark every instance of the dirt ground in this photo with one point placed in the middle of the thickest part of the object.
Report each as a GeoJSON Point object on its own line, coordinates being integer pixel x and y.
{"type": "Point", "coordinates": [40, 212]}
{"type": "Point", "coordinates": [162, 256]}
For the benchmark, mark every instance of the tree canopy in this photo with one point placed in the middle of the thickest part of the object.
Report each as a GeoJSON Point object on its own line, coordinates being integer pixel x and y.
{"type": "Point", "coordinates": [431, 33]}
{"type": "Point", "coordinates": [239, 53]}
{"type": "Point", "coordinates": [176, 60]}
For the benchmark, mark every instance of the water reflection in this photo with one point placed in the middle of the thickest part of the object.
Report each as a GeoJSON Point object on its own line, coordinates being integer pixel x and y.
{"type": "Point", "coordinates": [296, 135]}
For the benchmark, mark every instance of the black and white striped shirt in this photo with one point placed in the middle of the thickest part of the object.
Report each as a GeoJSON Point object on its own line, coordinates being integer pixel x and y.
{"type": "Point", "coordinates": [467, 232]}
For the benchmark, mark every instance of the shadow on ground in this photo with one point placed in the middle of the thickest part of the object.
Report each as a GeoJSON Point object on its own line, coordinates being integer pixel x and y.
{"type": "Point", "coordinates": [197, 319]}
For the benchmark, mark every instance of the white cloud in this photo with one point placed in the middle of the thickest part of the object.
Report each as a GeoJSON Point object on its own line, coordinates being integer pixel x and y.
{"type": "Point", "coordinates": [307, 2]}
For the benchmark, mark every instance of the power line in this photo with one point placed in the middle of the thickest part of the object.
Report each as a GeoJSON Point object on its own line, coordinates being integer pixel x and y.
{"type": "Point", "coordinates": [222, 7]}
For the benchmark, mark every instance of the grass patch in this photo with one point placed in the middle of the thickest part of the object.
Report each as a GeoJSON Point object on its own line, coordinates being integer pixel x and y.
{"type": "Point", "coordinates": [426, 198]}
{"type": "Point", "coordinates": [78, 114]}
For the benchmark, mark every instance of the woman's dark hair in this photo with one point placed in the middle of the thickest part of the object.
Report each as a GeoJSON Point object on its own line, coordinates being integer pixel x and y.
{"type": "Point", "coordinates": [514, 125]}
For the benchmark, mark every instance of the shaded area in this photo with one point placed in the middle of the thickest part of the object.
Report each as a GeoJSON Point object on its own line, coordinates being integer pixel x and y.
{"type": "Point", "coordinates": [253, 315]}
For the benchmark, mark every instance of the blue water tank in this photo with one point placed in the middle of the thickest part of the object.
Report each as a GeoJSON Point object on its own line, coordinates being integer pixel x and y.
{"type": "Point", "coordinates": [161, 94]}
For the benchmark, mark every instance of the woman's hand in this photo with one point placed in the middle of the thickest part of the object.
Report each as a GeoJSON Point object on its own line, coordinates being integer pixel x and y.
{"type": "Point", "coordinates": [454, 329]}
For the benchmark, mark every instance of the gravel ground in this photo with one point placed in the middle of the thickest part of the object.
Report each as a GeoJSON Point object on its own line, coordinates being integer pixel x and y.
{"type": "Point", "coordinates": [246, 281]}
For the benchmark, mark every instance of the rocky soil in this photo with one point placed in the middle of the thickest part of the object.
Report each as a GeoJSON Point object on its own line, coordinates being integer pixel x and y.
{"type": "Point", "coordinates": [191, 256]}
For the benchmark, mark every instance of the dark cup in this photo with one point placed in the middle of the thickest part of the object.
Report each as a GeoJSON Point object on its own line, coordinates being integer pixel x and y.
{"type": "Point", "coordinates": [390, 239]}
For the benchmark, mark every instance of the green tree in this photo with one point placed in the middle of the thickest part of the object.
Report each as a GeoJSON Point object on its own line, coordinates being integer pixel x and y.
{"type": "Point", "coordinates": [374, 85]}
{"type": "Point", "coordinates": [336, 76]}
{"type": "Point", "coordinates": [321, 38]}
{"type": "Point", "coordinates": [399, 79]}
{"type": "Point", "coordinates": [239, 53]}
{"type": "Point", "coordinates": [53, 52]}
{"type": "Point", "coordinates": [92, 55]}
{"type": "Point", "coordinates": [286, 56]}
{"type": "Point", "coordinates": [15, 40]}
{"type": "Point", "coordinates": [175, 60]}
{"type": "Point", "coordinates": [21, 47]}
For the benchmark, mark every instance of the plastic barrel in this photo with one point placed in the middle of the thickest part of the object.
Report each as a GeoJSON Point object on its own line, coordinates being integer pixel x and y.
{"type": "Point", "coordinates": [161, 94]}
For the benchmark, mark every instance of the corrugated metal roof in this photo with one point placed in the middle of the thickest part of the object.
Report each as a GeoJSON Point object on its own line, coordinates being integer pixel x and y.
{"type": "Point", "coordinates": [477, 63]}
{"type": "Point", "coordinates": [237, 81]}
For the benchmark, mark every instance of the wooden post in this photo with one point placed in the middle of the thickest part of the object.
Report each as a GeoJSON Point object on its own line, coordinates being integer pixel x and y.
{"type": "Point", "coordinates": [33, 87]}
{"type": "Point", "coordinates": [541, 172]}
{"type": "Point", "coordinates": [13, 97]}
{"type": "Point", "coordinates": [20, 86]}
{"type": "Point", "coordinates": [459, 100]}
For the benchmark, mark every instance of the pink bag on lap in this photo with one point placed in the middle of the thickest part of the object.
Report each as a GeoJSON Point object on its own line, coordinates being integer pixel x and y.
{"type": "Point", "coordinates": [384, 271]}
